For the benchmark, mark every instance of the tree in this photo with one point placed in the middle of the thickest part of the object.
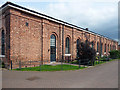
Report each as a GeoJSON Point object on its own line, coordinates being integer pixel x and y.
{"type": "Point", "coordinates": [86, 53]}
{"type": "Point", "coordinates": [114, 54]}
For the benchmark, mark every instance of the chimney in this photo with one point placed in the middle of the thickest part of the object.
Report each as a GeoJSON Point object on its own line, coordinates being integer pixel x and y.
{"type": "Point", "coordinates": [87, 29]}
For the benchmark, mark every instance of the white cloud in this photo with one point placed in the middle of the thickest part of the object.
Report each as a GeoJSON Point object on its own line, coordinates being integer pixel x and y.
{"type": "Point", "coordinates": [85, 14]}
{"type": "Point", "coordinates": [95, 15]}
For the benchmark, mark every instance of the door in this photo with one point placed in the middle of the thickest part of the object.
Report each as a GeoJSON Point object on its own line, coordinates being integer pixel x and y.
{"type": "Point", "coordinates": [52, 48]}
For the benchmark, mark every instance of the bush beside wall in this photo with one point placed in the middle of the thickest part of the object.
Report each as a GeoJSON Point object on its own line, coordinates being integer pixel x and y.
{"type": "Point", "coordinates": [114, 54]}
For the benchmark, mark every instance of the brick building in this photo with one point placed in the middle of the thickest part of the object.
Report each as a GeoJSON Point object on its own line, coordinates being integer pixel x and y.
{"type": "Point", "coordinates": [118, 47]}
{"type": "Point", "coordinates": [29, 35]}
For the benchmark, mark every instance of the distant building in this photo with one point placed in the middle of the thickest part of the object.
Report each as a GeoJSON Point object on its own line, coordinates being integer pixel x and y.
{"type": "Point", "coordinates": [29, 35]}
{"type": "Point", "coordinates": [118, 47]}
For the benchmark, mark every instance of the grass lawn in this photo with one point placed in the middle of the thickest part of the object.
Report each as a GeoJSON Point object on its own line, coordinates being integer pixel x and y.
{"type": "Point", "coordinates": [64, 67]}
{"type": "Point", "coordinates": [101, 62]}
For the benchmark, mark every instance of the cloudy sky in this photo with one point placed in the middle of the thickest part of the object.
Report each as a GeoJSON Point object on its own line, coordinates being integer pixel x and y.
{"type": "Point", "coordinates": [100, 16]}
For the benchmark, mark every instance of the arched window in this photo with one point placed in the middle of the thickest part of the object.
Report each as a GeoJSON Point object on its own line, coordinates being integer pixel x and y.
{"type": "Point", "coordinates": [112, 47]}
{"type": "Point", "coordinates": [97, 46]}
{"type": "Point", "coordinates": [77, 51]}
{"type": "Point", "coordinates": [101, 48]}
{"type": "Point", "coordinates": [92, 45]}
{"type": "Point", "coordinates": [53, 48]}
{"type": "Point", "coordinates": [86, 41]}
{"type": "Point", "coordinates": [108, 47]}
{"type": "Point", "coordinates": [67, 46]}
{"type": "Point", "coordinates": [105, 48]}
{"type": "Point", "coordinates": [3, 42]}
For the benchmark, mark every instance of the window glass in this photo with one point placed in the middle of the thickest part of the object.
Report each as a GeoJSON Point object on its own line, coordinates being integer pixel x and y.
{"type": "Point", "coordinates": [67, 48]}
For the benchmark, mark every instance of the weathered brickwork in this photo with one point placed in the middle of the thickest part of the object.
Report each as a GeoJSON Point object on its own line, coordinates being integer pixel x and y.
{"type": "Point", "coordinates": [27, 37]}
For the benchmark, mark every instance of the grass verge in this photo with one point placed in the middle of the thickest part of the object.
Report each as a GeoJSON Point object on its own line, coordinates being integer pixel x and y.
{"type": "Point", "coordinates": [64, 67]}
{"type": "Point", "coordinates": [101, 62]}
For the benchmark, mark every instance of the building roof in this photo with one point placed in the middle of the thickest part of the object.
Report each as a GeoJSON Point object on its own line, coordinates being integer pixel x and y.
{"type": "Point", "coordinates": [10, 4]}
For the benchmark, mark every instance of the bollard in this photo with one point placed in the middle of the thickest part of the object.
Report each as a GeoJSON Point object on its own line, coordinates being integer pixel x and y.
{"type": "Point", "coordinates": [79, 63]}
{"type": "Point", "coordinates": [11, 64]}
{"type": "Point", "coordinates": [61, 65]}
{"type": "Point", "coordinates": [93, 63]}
{"type": "Point", "coordinates": [0, 63]}
{"type": "Point", "coordinates": [70, 64]}
{"type": "Point", "coordinates": [30, 64]}
{"type": "Point", "coordinates": [40, 65]}
{"type": "Point", "coordinates": [20, 65]}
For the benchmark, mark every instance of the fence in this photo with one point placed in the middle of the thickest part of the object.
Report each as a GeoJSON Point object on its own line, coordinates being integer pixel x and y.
{"type": "Point", "coordinates": [49, 66]}
{"type": "Point", "coordinates": [46, 65]}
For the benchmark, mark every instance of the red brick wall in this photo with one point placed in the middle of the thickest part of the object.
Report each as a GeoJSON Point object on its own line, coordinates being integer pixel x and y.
{"type": "Point", "coordinates": [25, 41]}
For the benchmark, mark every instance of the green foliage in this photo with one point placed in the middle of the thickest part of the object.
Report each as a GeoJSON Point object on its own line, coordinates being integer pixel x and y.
{"type": "Point", "coordinates": [75, 62]}
{"type": "Point", "coordinates": [104, 58]}
{"type": "Point", "coordinates": [97, 58]}
{"type": "Point", "coordinates": [114, 54]}
{"type": "Point", "coordinates": [86, 53]}
{"type": "Point", "coordinates": [3, 65]}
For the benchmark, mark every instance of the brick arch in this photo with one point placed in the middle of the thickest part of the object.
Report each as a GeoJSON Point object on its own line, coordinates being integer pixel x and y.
{"type": "Point", "coordinates": [54, 34]}
{"type": "Point", "coordinates": [92, 43]}
{"type": "Point", "coordinates": [68, 37]}
{"type": "Point", "coordinates": [79, 38]}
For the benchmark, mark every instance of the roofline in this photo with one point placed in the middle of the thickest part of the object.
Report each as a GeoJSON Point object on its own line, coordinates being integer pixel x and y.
{"type": "Point", "coordinates": [10, 4]}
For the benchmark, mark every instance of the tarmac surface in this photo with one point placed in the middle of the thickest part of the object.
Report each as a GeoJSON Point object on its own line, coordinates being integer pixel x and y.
{"type": "Point", "coordinates": [100, 76]}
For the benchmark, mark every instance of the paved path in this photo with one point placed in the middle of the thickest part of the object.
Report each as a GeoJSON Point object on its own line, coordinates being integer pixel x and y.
{"type": "Point", "coordinates": [101, 76]}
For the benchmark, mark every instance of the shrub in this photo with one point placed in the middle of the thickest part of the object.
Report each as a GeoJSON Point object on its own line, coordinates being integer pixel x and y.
{"type": "Point", "coordinates": [96, 58]}
{"type": "Point", "coordinates": [114, 54]}
{"type": "Point", "coordinates": [75, 62]}
{"type": "Point", "coordinates": [86, 53]}
{"type": "Point", "coordinates": [104, 58]}
{"type": "Point", "coordinates": [3, 65]}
